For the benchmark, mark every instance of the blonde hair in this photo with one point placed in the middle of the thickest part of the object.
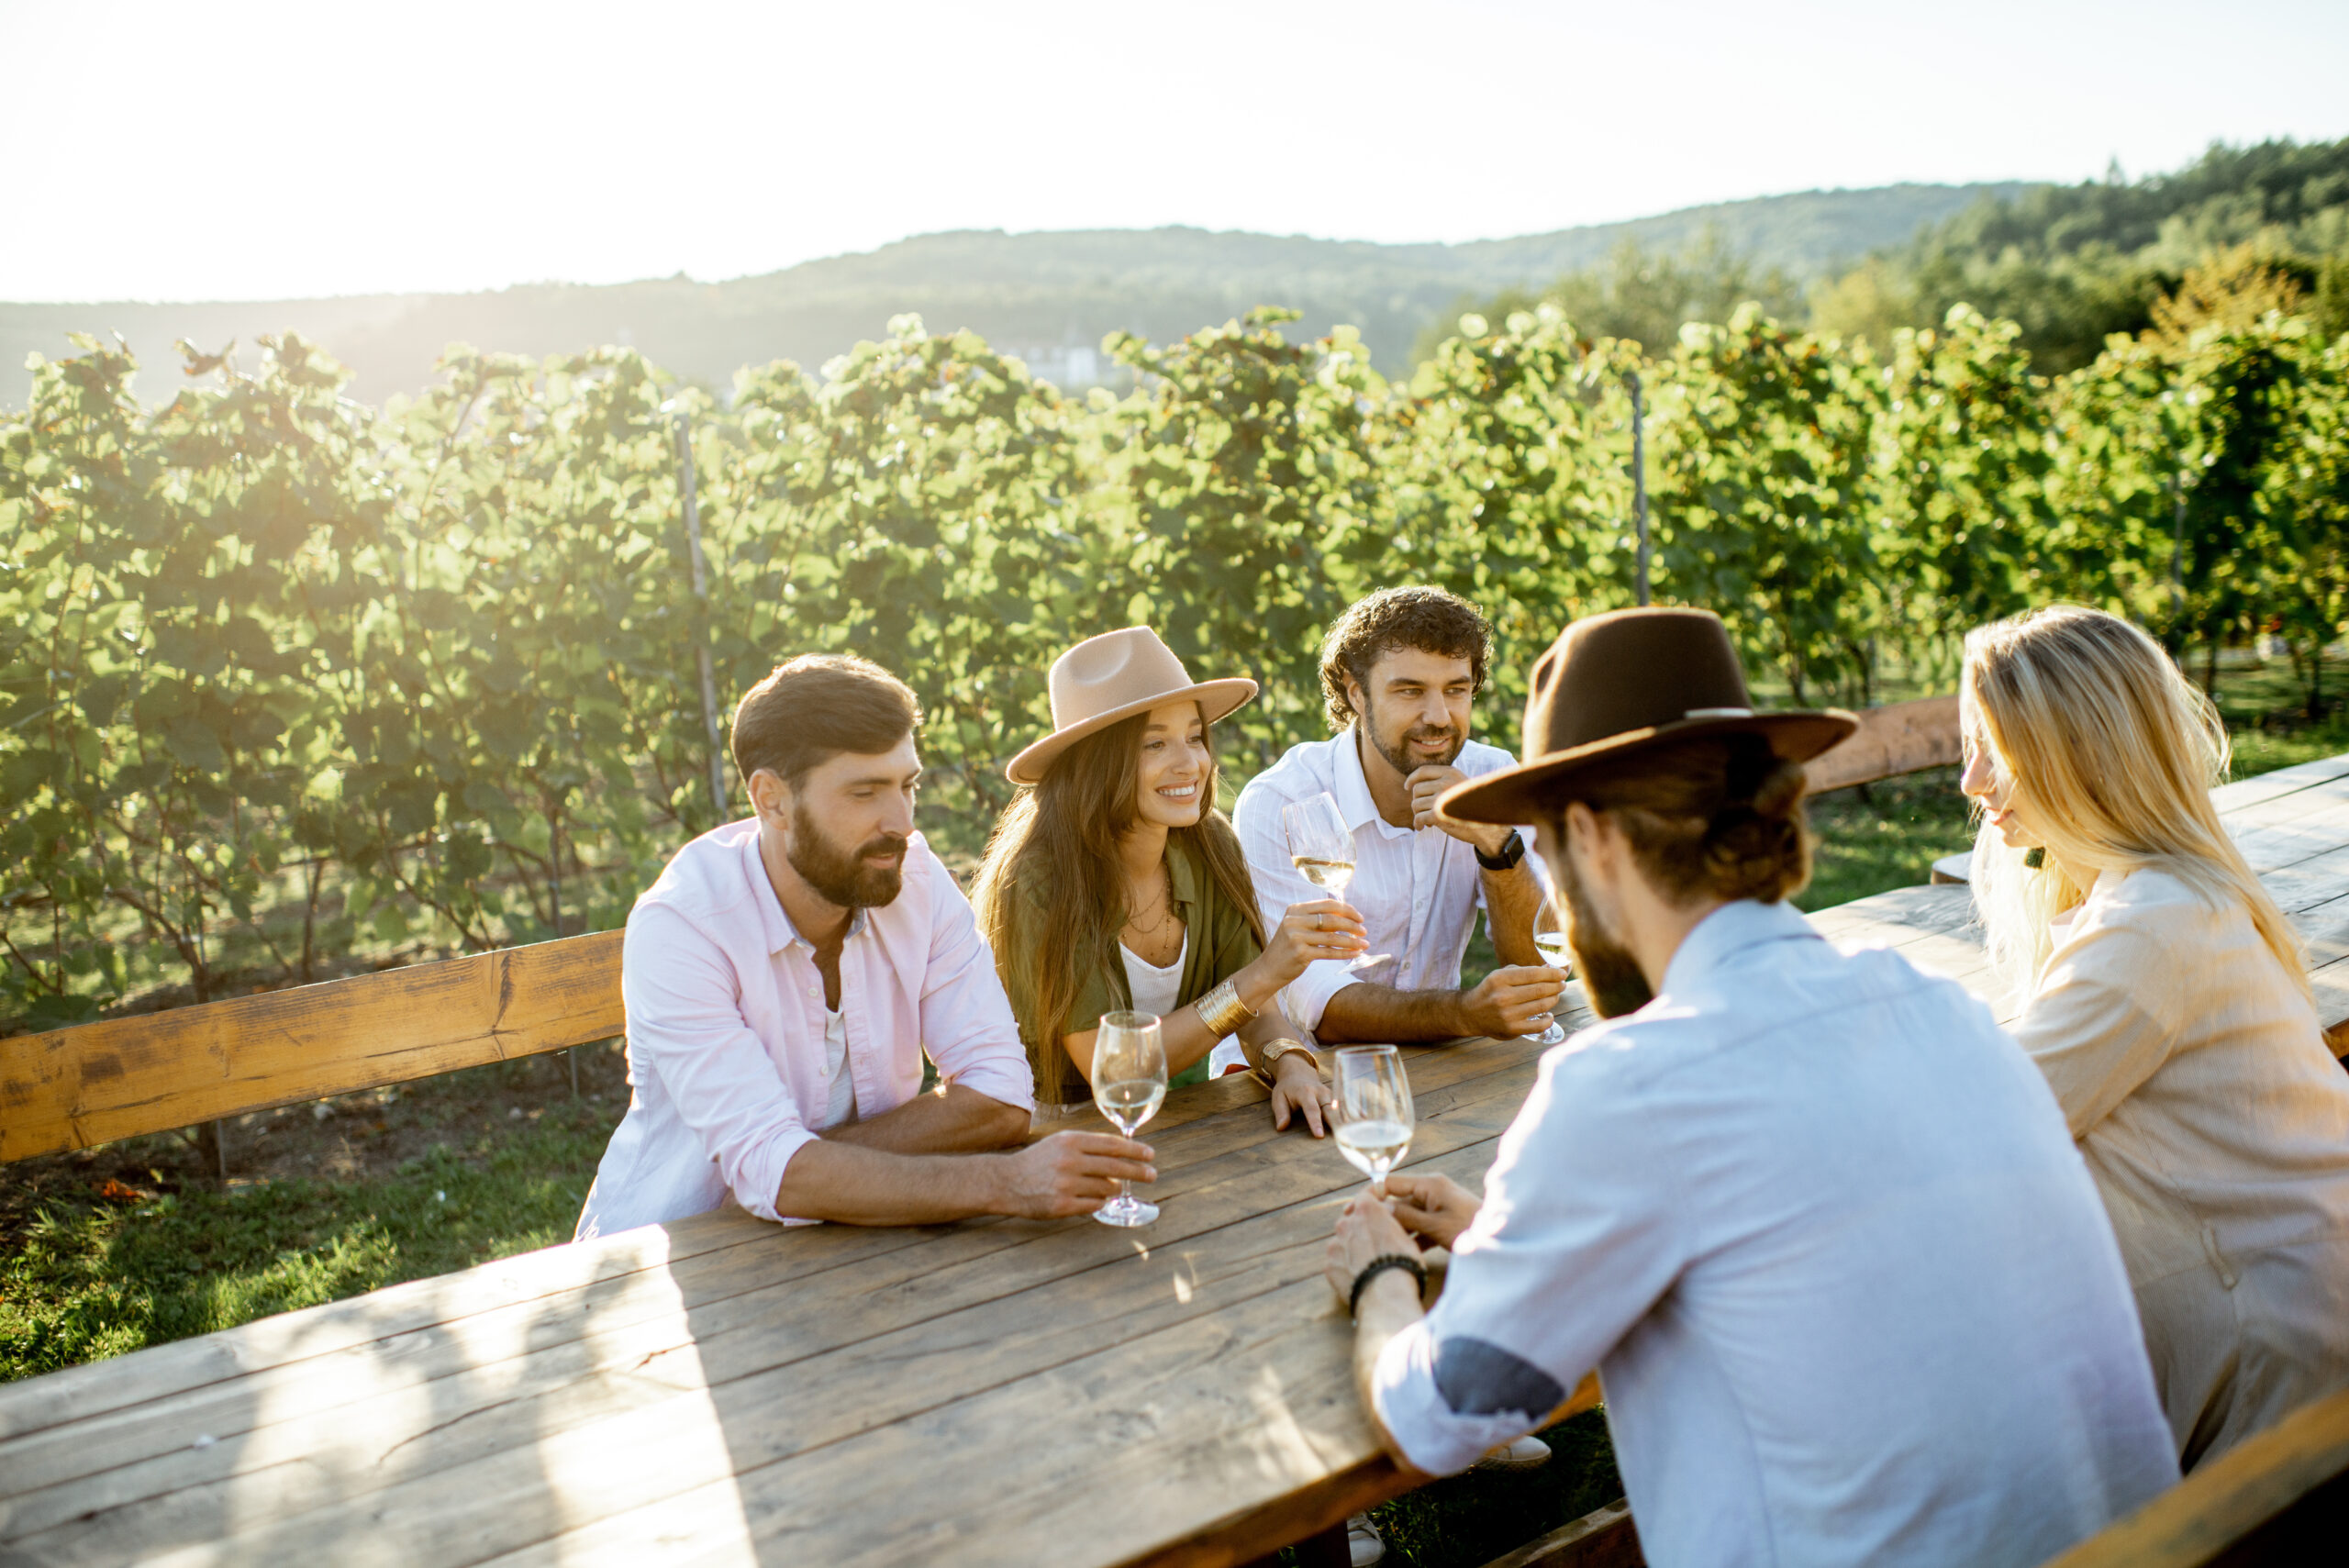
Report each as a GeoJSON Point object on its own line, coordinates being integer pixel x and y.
{"type": "Point", "coordinates": [2112, 752]}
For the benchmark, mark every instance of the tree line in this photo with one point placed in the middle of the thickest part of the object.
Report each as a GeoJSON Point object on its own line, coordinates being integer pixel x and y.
{"type": "Point", "coordinates": [282, 674]}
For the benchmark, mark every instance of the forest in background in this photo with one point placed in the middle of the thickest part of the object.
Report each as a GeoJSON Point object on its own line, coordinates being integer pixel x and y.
{"type": "Point", "coordinates": [2069, 264]}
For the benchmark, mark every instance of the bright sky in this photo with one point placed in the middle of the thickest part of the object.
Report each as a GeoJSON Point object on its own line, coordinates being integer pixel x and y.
{"type": "Point", "coordinates": [240, 150]}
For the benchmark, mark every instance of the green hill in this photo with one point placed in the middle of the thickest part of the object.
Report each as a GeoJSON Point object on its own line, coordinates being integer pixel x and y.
{"type": "Point", "coordinates": [1049, 297]}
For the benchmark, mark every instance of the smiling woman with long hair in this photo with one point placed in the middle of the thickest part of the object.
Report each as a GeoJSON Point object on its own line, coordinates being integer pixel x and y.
{"type": "Point", "coordinates": [1113, 881]}
{"type": "Point", "coordinates": [2165, 997]}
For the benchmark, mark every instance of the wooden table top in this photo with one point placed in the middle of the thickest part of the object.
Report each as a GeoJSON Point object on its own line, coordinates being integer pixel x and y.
{"type": "Point", "coordinates": [726, 1391]}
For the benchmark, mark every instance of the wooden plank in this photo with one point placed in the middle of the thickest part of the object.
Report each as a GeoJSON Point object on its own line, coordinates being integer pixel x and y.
{"type": "Point", "coordinates": [93, 1084]}
{"type": "Point", "coordinates": [1899, 917]}
{"type": "Point", "coordinates": [2287, 806]}
{"type": "Point", "coordinates": [1899, 738]}
{"type": "Point", "coordinates": [2280, 782]}
{"type": "Point", "coordinates": [2277, 844]}
{"type": "Point", "coordinates": [2228, 1502]}
{"type": "Point", "coordinates": [1605, 1538]}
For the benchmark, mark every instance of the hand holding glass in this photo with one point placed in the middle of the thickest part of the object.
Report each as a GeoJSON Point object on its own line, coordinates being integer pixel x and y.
{"type": "Point", "coordinates": [1374, 1111]}
{"type": "Point", "coordinates": [1129, 1082]}
{"type": "Point", "coordinates": [1321, 847]}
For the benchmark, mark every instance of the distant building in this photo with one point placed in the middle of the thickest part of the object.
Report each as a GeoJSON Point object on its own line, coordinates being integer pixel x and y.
{"type": "Point", "coordinates": [1072, 367]}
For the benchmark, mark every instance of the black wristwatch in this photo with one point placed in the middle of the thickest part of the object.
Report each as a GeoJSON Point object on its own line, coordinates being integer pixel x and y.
{"type": "Point", "coordinates": [1512, 852]}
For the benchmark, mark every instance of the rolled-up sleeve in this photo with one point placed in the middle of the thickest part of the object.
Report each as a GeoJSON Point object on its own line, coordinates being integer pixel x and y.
{"type": "Point", "coordinates": [1571, 1249]}
{"type": "Point", "coordinates": [966, 1023]}
{"type": "Point", "coordinates": [686, 1027]}
{"type": "Point", "coordinates": [1257, 819]}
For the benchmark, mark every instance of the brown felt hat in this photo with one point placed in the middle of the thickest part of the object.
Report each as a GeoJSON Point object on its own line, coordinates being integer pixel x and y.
{"type": "Point", "coordinates": [1612, 685]}
{"type": "Point", "coordinates": [1114, 676]}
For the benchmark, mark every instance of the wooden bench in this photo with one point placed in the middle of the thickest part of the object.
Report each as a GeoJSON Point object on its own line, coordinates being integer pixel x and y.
{"type": "Point", "coordinates": [2277, 1498]}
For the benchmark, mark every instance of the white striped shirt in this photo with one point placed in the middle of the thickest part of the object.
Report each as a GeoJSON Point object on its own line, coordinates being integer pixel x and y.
{"type": "Point", "coordinates": [1418, 891]}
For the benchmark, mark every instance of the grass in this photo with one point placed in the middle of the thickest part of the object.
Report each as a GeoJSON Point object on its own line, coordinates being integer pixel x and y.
{"type": "Point", "coordinates": [1883, 836]}
{"type": "Point", "coordinates": [111, 1250]}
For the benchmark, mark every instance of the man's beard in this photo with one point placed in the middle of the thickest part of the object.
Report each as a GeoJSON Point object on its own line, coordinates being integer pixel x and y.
{"type": "Point", "coordinates": [844, 877]}
{"type": "Point", "coordinates": [1398, 756]}
{"type": "Point", "coordinates": [1608, 972]}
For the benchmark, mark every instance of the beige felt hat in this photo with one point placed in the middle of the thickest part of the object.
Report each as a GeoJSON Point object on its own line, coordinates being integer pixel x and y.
{"type": "Point", "coordinates": [1114, 676]}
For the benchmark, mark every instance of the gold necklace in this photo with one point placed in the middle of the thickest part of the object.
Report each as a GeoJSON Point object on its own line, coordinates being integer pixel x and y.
{"type": "Point", "coordinates": [1166, 888]}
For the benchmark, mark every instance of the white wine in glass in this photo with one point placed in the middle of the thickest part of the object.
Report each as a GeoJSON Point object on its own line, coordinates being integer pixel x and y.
{"type": "Point", "coordinates": [1318, 844]}
{"type": "Point", "coordinates": [1330, 876]}
{"type": "Point", "coordinates": [1374, 1111]}
{"type": "Point", "coordinates": [1549, 942]}
{"type": "Point", "coordinates": [1128, 1082]}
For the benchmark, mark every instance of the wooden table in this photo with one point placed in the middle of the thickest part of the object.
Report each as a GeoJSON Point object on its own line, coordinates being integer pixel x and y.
{"type": "Point", "coordinates": [726, 1391]}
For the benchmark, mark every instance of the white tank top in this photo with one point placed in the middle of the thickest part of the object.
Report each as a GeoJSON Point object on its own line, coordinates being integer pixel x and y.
{"type": "Point", "coordinates": [1154, 989]}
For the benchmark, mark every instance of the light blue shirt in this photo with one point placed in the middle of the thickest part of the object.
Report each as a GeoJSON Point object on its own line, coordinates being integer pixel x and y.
{"type": "Point", "coordinates": [1820, 1227]}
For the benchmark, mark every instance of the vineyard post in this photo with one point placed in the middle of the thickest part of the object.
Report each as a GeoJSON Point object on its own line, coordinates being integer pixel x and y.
{"type": "Point", "coordinates": [1639, 481]}
{"type": "Point", "coordinates": [701, 626]}
{"type": "Point", "coordinates": [2177, 557]}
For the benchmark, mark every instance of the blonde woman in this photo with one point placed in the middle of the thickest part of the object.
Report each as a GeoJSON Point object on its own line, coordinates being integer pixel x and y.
{"type": "Point", "coordinates": [2166, 999]}
{"type": "Point", "coordinates": [1113, 881]}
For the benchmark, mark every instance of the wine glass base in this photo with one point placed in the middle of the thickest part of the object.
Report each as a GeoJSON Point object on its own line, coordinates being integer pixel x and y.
{"type": "Point", "coordinates": [1125, 1212]}
{"type": "Point", "coordinates": [1555, 1035]}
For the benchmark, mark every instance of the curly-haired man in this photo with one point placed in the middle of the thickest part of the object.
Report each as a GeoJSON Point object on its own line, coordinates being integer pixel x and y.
{"type": "Point", "coordinates": [1400, 670]}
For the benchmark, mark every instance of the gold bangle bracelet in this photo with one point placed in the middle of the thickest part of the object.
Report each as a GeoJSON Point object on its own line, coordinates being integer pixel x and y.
{"type": "Point", "coordinates": [1222, 1010]}
{"type": "Point", "coordinates": [1272, 1052]}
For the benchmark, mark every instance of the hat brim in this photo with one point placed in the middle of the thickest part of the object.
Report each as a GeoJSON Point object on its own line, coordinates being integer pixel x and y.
{"type": "Point", "coordinates": [1514, 794]}
{"type": "Point", "coordinates": [1216, 699]}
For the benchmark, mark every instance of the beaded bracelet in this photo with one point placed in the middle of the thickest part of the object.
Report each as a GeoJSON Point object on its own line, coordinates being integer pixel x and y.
{"type": "Point", "coordinates": [1379, 1265]}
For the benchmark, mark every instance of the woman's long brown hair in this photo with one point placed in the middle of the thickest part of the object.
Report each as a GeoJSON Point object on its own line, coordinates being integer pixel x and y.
{"type": "Point", "coordinates": [1051, 896]}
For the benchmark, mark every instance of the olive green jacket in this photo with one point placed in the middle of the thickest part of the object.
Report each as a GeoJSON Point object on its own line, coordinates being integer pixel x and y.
{"type": "Point", "coordinates": [1218, 943]}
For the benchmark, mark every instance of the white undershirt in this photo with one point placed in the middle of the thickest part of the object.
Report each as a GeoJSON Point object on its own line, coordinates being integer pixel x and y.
{"type": "Point", "coordinates": [1154, 990]}
{"type": "Point", "coordinates": [842, 1106]}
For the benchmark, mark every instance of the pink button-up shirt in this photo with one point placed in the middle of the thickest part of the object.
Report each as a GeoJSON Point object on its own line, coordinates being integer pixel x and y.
{"type": "Point", "coordinates": [726, 1027]}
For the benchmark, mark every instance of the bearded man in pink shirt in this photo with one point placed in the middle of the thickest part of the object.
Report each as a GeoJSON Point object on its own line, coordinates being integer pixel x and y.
{"type": "Point", "coordinates": [784, 978]}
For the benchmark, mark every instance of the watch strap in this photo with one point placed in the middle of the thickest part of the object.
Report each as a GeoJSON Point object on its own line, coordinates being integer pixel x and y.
{"type": "Point", "coordinates": [1512, 852]}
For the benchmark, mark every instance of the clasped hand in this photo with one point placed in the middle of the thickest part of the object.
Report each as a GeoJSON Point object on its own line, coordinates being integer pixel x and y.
{"type": "Point", "coordinates": [1435, 1208]}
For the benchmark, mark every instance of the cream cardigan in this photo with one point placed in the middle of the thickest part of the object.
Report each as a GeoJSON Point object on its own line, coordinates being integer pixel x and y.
{"type": "Point", "coordinates": [2216, 1123]}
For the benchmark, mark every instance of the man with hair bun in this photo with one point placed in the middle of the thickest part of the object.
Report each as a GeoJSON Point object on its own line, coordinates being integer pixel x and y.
{"type": "Point", "coordinates": [784, 978]}
{"type": "Point", "coordinates": [1814, 1220]}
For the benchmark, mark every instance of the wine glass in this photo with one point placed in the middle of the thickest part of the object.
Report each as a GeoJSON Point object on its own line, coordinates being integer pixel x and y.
{"type": "Point", "coordinates": [1374, 1113]}
{"type": "Point", "coordinates": [1321, 847]}
{"type": "Point", "coordinates": [1129, 1082]}
{"type": "Point", "coordinates": [1318, 842]}
{"type": "Point", "coordinates": [1549, 942]}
